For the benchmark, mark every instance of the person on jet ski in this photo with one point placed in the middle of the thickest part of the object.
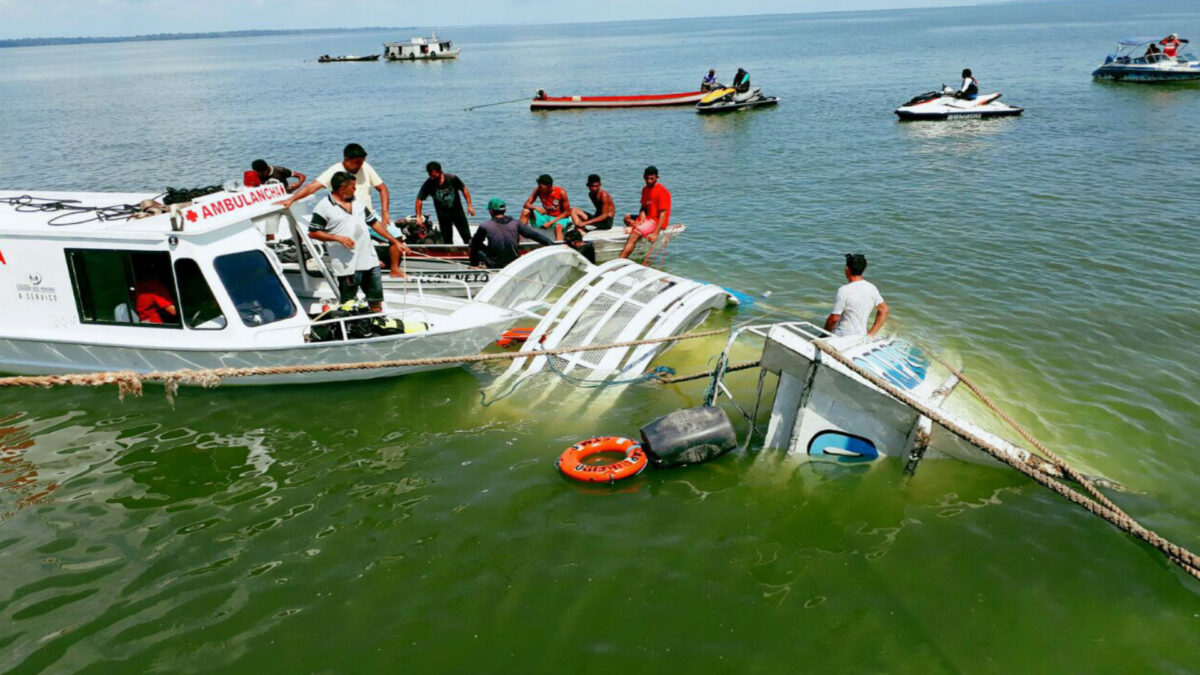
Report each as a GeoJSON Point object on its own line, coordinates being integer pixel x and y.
{"type": "Point", "coordinates": [970, 86]}
{"type": "Point", "coordinates": [710, 81]}
{"type": "Point", "coordinates": [741, 81]}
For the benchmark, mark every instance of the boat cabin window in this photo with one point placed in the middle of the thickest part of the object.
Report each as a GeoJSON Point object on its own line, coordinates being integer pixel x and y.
{"type": "Point", "coordinates": [197, 303]}
{"type": "Point", "coordinates": [255, 287]}
{"type": "Point", "coordinates": [124, 287]}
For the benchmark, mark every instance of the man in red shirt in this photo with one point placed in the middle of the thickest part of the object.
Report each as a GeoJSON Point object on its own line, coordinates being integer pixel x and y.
{"type": "Point", "coordinates": [655, 214]}
{"type": "Point", "coordinates": [152, 302]}
{"type": "Point", "coordinates": [554, 211]}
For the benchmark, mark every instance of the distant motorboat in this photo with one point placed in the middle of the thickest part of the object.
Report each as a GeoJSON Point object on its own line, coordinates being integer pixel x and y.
{"type": "Point", "coordinates": [351, 57]}
{"type": "Point", "coordinates": [1146, 60]}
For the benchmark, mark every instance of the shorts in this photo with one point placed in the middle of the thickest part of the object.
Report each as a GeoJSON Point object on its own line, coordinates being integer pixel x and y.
{"type": "Point", "coordinates": [543, 221]}
{"type": "Point", "coordinates": [647, 227]}
{"type": "Point", "coordinates": [605, 224]}
{"type": "Point", "coordinates": [370, 281]}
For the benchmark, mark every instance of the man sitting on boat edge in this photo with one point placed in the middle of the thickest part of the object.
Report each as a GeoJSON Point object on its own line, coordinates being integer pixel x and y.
{"type": "Point", "coordinates": [503, 235]}
{"type": "Point", "coordinates": [555, 208]}
{"type": "Point", "coordinates": [654, 215]}
{"type": "Point", "coordinates": [602, 202]}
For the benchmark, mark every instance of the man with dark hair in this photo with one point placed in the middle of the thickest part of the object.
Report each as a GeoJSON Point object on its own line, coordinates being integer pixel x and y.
{"type": "Point", "coordinates": [970, 86]}
{"type": "Point", "coordinates": [281, 174]}
{"type": "Point", "coordinates": [555, 208]}
{"type": "Point", "coordinates": [654, 215]}
{"type": "Point", "coordinates": [341, 221]}
{"type": "Point", "coordinates": [603, 209]}
{"type": "Point", "coordinates": [854, 302]}
{"type": "Point", "coordinates": [503, 235]}
{"type": "Point", "coordinates": [445, 189]}
{"type": "Point", "coordinates": [354, 162]}
{"type": "Point", "coordinates": [574, 239]}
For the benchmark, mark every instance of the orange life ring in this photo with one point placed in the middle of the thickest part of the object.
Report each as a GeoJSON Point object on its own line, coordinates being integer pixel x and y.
{"type": "Point", "coordinates": [570, 463]}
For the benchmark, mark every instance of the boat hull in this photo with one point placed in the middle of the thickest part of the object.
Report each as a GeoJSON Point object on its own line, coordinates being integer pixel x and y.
{"type": "Point", "coordinates": [735, 105]}
{"type": "Point", "coordinates": [1148, 74]}
{"type": "Point", "coordinates": [650, 101]}
{"type": "Point", "coordinates": [46, 357]}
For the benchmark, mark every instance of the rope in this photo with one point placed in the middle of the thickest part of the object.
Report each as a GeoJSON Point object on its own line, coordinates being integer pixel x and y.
{"type": "Point", "coordinates": [746, 365]}
{"type": "Point", "coordinates": [488, 105]}
{"type": "Point", "coordinates": [1100, 506]}
{"type": "Point", "coordinates": [130, 382]}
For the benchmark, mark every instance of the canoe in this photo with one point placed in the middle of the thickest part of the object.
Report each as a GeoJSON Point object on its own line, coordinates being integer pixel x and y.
{"type": "Point", "coordinates": [344, 59]}
{"type": "Point", "coordinates": [647, 101]}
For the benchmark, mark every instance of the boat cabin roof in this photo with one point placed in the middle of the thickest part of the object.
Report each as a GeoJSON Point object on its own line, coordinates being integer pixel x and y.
{"type": "Point", "coordinates": [1139, 41]}
{"type": "Point", "coordinates": [52, 214]}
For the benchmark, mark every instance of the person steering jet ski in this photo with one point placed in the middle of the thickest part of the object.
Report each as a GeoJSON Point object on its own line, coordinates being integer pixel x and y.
{"type": "Point", "coordinates": [970, 86]}
{"type": "Point", "coordinates": [741, 81]}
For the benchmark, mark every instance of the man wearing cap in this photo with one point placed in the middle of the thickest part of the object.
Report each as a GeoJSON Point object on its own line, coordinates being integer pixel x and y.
{"type": "Point", "coordinates": [354, 162]}
{"type": "Point", "coordinates": [503, 235]}
{"type": "Point", "coordinates": [555, 208]}
{"type": "Point", "coordinates": [340, 220]}
{"type": "Point", "coordinates": [854, 302]}
{"type": "Point", "coordinates": [603, 209]}
{"type": "Point", "coordinates": [445, 189]}
{"type": "Point", "coordinates": [654, 215]}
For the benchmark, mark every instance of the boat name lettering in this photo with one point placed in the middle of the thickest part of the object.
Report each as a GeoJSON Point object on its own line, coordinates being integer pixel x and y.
{"type": "Point", "coordinates": [224, 205]}
{"type": "Point", "coordinates": [34, 290]}
{"type": "Point", "coordinates": [468, 277]}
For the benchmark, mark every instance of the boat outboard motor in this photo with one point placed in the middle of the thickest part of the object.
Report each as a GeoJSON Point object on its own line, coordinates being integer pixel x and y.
{"type": "Point", "coordinates": [689, 436]}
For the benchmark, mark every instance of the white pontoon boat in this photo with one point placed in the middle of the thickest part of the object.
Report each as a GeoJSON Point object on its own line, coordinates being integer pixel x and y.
{"type": "Point", "coordinates": [76, 283]}
{"type": "Point", "coordinates": [1145, 60]}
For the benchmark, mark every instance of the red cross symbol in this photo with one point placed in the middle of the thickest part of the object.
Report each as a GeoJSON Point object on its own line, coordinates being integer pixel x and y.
{"type": "Point", "coordinates": [191, 216]}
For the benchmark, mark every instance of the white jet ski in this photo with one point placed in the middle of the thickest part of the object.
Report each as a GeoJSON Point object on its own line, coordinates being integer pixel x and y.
{"type": "Point", "coordinates": [942, 105]}
{"type": "Point", "coordinates": [724, 99]}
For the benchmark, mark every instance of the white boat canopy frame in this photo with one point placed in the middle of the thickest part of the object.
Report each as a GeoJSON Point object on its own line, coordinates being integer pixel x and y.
{"type": "Point", "coordinates": [618, 301]}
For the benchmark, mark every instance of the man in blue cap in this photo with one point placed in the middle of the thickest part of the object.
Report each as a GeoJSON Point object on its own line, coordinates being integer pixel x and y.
{"type": "Point", "coordinates": [503, 235]}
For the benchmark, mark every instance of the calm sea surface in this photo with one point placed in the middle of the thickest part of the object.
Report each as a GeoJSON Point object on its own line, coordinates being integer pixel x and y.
{"type": "Point", "coordinates": [401, 526]}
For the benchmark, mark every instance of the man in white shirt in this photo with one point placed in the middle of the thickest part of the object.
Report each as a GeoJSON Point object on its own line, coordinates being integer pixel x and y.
{"type": "Point", "coordinates": [854, 302]}
{"type": "Point", "coordinates": [341, 221]}
{"type": "Point", "coordinates": [354, 162]}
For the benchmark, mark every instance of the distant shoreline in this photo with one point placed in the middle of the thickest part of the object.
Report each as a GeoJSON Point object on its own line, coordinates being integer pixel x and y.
{"type": "Point", "coordinates": [156, 37]}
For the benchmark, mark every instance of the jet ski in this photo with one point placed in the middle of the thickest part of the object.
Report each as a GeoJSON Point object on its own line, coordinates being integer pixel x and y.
{"type": "Point", "coordinates": [943, 105]}
{"type": "Point", "coordinates": [724, 99]}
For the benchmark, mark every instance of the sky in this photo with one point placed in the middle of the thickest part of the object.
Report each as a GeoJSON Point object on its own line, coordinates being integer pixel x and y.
{"type": "Point", "coordinates": [74, 18]}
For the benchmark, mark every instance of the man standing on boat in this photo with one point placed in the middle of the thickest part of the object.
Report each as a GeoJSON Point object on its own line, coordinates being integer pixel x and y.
{"type": "Point", "coordinates": [602, 204]}
{"type": "Point", "coordinates": [354, 162]}
{"type": "Point", "coordinates": [445, 189]}
{"type": "Point", "coordinates": [555, 208]}
{"type": "Point", "coordinates": [503, 235]}
{"type": "Point", "coordinates": [854, 302]}
{"type": "Point", "coordinates": [341, 220]}
{"type": "Point", "coordinates": [654, 215]}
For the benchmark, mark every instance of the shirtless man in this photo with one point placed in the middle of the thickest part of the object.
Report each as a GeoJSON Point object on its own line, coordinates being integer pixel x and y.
{"type": "Point", "coordinates": [603, 209]}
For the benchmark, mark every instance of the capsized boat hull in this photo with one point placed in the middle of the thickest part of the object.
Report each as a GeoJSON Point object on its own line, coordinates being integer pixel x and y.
{"type": "Point", "coordinates": [646, 101]}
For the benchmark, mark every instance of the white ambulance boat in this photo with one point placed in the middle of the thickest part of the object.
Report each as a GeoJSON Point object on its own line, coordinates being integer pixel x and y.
{"type": "Point", "coordinates": [78, 274]}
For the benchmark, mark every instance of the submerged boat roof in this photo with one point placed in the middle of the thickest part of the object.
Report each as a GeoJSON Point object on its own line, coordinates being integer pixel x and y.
{"type": "Point", "coordinates": [61, 214]}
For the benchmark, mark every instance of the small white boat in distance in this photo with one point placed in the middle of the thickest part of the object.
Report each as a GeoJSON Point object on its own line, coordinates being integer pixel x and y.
{"type": "Point", "coordinates": [431, 48]}
{"type": "Point", "coordinates": [197, 288]}
{"type": "Point", "coordinates": [1149, 60]}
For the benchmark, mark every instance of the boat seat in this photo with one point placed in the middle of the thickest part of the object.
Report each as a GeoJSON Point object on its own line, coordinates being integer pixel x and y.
{"type": "Point", "coordinates": [122, 314]}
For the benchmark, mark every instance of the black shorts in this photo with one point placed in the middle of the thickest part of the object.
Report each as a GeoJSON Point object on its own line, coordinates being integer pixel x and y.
{"type": "Point", "coordinates": [370, 281]}
{"type": "Point", "coordinates": [605, 224]}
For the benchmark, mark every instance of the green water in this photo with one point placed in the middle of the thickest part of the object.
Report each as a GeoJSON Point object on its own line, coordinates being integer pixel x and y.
{"type": "Point", "coordinates": [401, 525]}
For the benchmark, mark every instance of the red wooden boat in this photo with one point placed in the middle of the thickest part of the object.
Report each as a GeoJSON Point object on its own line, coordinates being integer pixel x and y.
{"type": "Point", "coordinates": [543, 102]}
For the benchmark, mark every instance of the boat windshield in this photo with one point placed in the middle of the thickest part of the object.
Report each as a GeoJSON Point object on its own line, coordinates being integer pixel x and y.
{"type": "Point", "coordinates": [255, 288]}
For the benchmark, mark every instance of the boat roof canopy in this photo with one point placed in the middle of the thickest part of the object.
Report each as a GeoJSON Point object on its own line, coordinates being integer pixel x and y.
{"type": "Point", "coordinates": [1139, 41]}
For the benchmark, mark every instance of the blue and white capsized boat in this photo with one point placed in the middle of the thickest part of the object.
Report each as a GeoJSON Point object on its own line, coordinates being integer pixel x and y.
{"type": "Point", "coordinates": [1145, 59]}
